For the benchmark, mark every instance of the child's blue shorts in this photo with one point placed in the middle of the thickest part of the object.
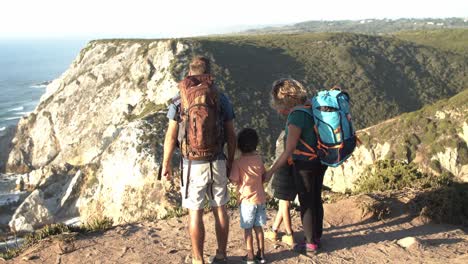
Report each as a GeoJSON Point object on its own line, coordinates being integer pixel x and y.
{"type": "Point", "coordinates": [252, 215]}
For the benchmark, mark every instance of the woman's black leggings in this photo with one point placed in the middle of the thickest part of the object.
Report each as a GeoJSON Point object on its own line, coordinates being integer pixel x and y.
{"type": "Point", "coordinates": [309, 180]}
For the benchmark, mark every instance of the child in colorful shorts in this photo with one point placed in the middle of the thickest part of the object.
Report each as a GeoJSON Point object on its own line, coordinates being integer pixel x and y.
{"type": "Point", "coordinates": [247, 173]}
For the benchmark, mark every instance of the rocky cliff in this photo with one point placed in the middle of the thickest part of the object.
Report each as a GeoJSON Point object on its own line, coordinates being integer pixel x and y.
{"type": "Point", "coordinates": [94, 121]}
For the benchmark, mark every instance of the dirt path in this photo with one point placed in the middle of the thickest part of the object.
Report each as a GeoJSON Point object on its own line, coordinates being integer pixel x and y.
{"type": "Point", "coordinates": [349, 237]}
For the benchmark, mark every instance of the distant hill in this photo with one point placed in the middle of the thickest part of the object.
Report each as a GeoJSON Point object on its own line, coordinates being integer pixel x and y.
{"type": "Point", "coordinates": [386, 76]}
{"type": "Point", "coordinates": [366, 26]}
{"type": "Point", "coordinates": [446, 39]}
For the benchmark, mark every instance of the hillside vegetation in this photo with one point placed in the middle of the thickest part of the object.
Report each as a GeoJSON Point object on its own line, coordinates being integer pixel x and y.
{"type": "Point", "coordinates": [367, 26]}
{"type": "Point", "coordinates": [385, 76]}
{"type": "Point", "coordinates": [422, 134]}
{"type": "Point", "coordinates": [450, 40]}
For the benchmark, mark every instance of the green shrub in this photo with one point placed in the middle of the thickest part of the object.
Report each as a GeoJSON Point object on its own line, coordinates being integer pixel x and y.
{"type": "Point", "coordinates": [387, 175]}
{"type": "Point", "coordinates": [436, 166]}
{"type": "Point", "coordinates": [446, 204]}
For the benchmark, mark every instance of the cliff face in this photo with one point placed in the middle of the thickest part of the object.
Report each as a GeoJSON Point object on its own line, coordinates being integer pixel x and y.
{"type": "Point", "coordinates": [86, 108]}
{"type": "Point", "coordinates": [92, 119]}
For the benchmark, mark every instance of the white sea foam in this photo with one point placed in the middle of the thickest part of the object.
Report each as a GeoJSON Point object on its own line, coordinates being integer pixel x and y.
{"type": "Point", "coordinates": [16, 109]}
{"type": "Point", "coordinates": [23, 113]}
{"type": "Point", "coordinates": [39, 86]}
{"type": "Point", "coordinates": [13, 118]}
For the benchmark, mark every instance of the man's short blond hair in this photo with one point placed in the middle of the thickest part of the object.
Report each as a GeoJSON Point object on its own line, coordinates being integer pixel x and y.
{"type": "Point", "coordinates": [199, 65]}
{"type": "Point", "coordinates": [287, 93]}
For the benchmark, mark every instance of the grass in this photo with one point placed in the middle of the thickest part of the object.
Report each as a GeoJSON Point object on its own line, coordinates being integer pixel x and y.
{"type": "Point", "coordinates": [149, 109]}
{"type": "Point", "coordinates": [94, 225]}
{"type": "Point", "coordinates": [175, 212]}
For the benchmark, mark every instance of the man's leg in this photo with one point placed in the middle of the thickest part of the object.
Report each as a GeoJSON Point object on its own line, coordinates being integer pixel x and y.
{"type": "Point", "coordinates": [222, 228]}
{"type": "Point", "coordinates": [197, 234]}
{"type": "Point", "coordinates": [219, 197]}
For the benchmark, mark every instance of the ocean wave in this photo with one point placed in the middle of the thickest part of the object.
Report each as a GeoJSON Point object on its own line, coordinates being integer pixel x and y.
{"type": "Point", "coordinates": [13, 118]}
{"type": "Point", "coordinates": [2, 128]}
{"type": "Point", "coordinates": [41, 85]}
{"type": "Point", "coordinates": [16, 109]}
{"type": "Point", "coordinates": [23, 113]}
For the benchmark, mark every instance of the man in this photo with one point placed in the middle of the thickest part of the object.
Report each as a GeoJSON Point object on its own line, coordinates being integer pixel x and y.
{"type": "Point", "coordinates": [204, 169]}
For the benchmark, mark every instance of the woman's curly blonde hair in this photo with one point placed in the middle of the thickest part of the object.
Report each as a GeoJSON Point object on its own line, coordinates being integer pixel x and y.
{"type": "Point", "coordinates": [287, 93]}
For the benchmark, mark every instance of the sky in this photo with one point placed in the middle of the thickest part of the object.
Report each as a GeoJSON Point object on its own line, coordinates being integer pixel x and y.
{"type": "Point", "coordinates": [172, 18]}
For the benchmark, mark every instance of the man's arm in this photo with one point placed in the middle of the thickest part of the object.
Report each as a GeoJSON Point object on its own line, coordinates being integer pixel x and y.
{"type": "Point", "coordinates": [169, 145]}
{"type": "Point", "coordinates": [231, 142]}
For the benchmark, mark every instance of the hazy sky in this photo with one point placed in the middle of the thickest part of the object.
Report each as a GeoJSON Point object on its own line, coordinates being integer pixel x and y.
{"type": "Point", "coordinates": [152, 18]}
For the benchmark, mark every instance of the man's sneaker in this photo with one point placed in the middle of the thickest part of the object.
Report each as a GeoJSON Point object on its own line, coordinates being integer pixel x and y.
{"type": "Point", "coordinates": [271, 235]}
{"type": "Point", "coordinates": [259, 259]}
{"type": "Point", "coordinates": [217, 260]}
{"type": "Point", "coordinates": [197, 261]}
{"type": "Point", "coordinates": [288, 239]}
{"type": "Point", "coordinates": [246, 261]}
{"type": "Point", "coordinates": [306, 248]}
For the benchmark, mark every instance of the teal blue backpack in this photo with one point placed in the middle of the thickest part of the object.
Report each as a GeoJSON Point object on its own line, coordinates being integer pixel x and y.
{"type": "Point", "coordinates": [336, 137]}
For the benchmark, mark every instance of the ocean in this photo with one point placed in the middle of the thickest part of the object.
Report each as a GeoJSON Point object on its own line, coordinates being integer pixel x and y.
{"type": "Point", "coordinates": [26, 67]}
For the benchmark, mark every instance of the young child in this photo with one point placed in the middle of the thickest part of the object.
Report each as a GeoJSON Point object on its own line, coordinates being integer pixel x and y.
{"type": "Point", "coordinates": [247, 173]}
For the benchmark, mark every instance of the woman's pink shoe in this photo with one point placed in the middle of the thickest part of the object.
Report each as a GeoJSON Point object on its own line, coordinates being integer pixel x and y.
{"type": "Point", "coordinates": [306, 248]}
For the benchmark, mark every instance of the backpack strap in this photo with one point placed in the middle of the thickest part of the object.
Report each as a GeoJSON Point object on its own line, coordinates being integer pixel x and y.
{"type": "Point", "coordinates": [181, 171]}
{"type": "Point", "coordinates": [311, 153]}
{"type": "Point", "coordinates": [212, 181]}
{"type": "Point", "coordinates": [188, 178]}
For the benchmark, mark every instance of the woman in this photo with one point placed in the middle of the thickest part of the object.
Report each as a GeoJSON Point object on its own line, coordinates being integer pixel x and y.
{"type": "Point", "coordinates": [289, 97]}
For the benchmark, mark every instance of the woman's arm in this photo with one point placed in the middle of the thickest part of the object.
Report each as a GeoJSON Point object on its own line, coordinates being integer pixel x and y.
{"type": "Point", "coordinates": [294, 133]}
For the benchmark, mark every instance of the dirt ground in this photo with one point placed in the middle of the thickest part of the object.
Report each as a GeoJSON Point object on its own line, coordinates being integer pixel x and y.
{"type": "Point", "coordinates": [350, 236]}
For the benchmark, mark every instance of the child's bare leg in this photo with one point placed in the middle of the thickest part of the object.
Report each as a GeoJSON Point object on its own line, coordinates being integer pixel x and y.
{"type": "Point", "coordinates": [260, 240]}
{"type": "Point", "coordinates": [249, 241]}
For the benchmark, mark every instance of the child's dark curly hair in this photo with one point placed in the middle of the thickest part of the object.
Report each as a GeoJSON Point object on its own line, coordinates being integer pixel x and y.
{"type": "Point", "coordinates": [247, 140]}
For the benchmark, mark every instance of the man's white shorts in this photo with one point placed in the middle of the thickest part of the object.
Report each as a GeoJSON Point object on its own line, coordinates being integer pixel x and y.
{"type": "Point", "coordinates": [202, 186]}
